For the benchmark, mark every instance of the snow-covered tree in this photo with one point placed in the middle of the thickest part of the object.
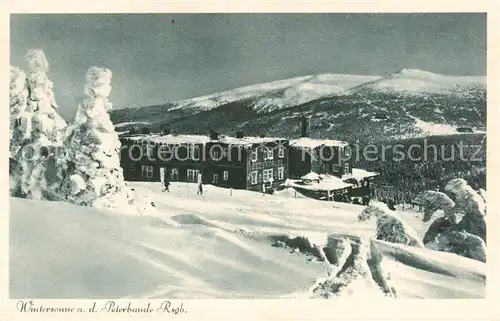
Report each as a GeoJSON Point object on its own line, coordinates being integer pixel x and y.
{"type": "Point", "coordinates": [37, 128]}
{"type": "Point", "coordinates": [467, 200]}
{"type": "Point", "coordinates": [18, 116]}
{"type": "Point", "coordinates": [434, 201]}
{"type": "Point", "coordinates": [18, 104]}
{"type": "Point", "coordinates": [466, 235]}
{"type": "Point", "coordinates": [93, 175]}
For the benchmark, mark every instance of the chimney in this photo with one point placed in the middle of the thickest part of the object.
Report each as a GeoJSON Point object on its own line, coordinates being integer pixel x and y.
{"type": "Point", "coordinates": [239, 134]}
{"type": "Point", "coordinates": [305, 126]}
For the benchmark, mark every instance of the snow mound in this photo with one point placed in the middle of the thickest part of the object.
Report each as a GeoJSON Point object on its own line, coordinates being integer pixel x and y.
{"type": "Point", "coordinates": [461, 243]}
{"type": "Point", "coordinates": [432, 201]}
{"type": "Point", "coordinates": [390, 226]}
{"type": "Point", "coordinates": [467, 235]}
{"type": "Point", "coordinates": [467, 200]}
{"type": "Point", "coordinates": [420, 273]}
{"type": "Point", "coordinates": [354, 278]}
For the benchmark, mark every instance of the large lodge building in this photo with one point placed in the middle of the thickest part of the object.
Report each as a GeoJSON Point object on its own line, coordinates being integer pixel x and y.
{"type": "Point", "coordinates": [252, 163]}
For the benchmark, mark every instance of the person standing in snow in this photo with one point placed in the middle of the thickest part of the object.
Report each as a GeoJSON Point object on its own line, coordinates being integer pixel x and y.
{"type": "Point", "coordinates": [165, 183]}
{"type": "Point", "coordinates": [271, 181]}
{"type": "Point", "coordinates": [162, 179]}
{"type": "Point", "coordinates": [200, 185]}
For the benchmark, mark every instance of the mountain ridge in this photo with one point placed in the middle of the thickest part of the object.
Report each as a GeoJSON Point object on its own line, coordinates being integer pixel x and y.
{"type": "Point", "coordinates": [339, 103]}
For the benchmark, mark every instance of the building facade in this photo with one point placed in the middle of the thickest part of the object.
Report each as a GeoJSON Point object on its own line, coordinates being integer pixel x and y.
{"type": "Point", "coordinates": [142, 156]}
{"type": "Point", "coordinates": [321, 156]}
{"type": "Point", "coordinates": [328, 157]}
{"type": "Point", "coordinates": [253, 163]}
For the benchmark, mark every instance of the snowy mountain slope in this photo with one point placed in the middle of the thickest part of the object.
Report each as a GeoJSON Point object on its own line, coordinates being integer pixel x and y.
{"type": "Point", "coordinates": [210, 246]}
{"type": "Point", "coordinates": [263, 97]}
{"type": "Point", "coordinates": [316, 87]}
{"type": "Point", "coordinates": [215, 100]}
{"type": "Point", "coordinates": [420, 82]}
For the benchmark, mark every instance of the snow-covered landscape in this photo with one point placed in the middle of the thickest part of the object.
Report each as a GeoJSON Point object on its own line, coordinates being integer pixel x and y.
{"type": "Point", "coordinates": [218, 246]}
{"type": "Point", "coordinates": [79, 230]}
{"type": "Point", "coordinates": [88, 218]}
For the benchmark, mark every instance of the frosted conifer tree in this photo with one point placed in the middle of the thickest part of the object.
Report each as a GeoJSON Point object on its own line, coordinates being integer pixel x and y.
{"type": "Point", "coordinates": [18, 121]}
{"type": "Point", "coordinates": [18, 104]}
{"type": "Point", "coordinates": [94, 176]}
{"type": "Point", "coordinates": [41, 129]}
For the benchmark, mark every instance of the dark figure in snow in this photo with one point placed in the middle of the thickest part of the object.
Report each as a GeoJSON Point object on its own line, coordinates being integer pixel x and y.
{"type": "Point", "coordinates": [166, 182]}
{"type": "Point", "coordinates": [200, 185]}
{"type": "Point", "coordinates": [391, 205]}
{"type": "Point", "coordinates": [366, 200]}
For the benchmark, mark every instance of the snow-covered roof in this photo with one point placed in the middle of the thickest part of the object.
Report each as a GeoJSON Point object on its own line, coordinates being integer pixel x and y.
{"type": "Point", "coordinates": [172, 139]}
{"type": "Point", "coordinates": [202, 139]}
{"type": "Point", "coordinates": [332, 183]}
{"type": "Point", "coordinates": [306, 142]}
{"type": "Point", "coordinates": [132, 123]}
{"type": "Point", "coordinates": [310, 176]}
{"type": "Point", "coordinates": [359, 174]}
{"type": "Point", "coordinates": [247, 140]}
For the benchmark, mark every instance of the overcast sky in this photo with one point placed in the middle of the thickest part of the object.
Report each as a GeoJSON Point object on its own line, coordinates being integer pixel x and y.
{"type": "Point", "coordinates": [155, 60]}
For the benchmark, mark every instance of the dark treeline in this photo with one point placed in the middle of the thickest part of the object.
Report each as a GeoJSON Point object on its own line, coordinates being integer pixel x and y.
{"type": "Point", "coordinates": [428, 168]}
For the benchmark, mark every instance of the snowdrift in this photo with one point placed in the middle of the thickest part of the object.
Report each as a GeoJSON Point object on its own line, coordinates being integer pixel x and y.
{"type": "Point", "coordinates": [220, 246]}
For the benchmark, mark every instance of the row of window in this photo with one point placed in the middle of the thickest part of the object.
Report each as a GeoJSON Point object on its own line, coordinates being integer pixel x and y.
{"type": "Point", "coordinates": [268, 153]}
{"type": "Point", "coordinates": [335, 168]}
{"type": "Point", "coordinates": [147, 171]}
{"type": "Point", "coordinates": [193, 152]}
{"type": "Point", "coordinates": [267, 175]}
